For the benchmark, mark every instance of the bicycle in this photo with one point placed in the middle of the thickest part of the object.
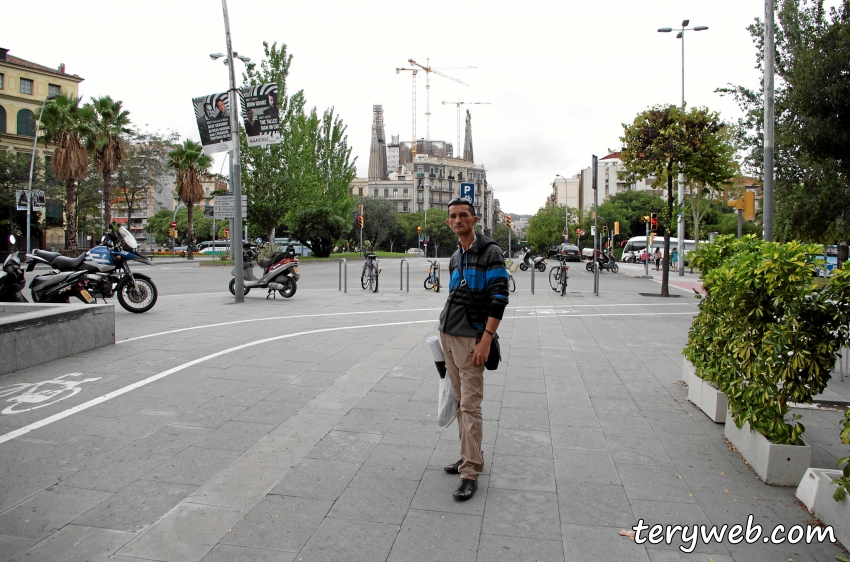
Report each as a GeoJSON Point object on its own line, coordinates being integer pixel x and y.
{"type": "Point", "coordinates": [558, 276]}
{"type": "Point", "coordinates": [369, 277]}
{"type": "Point", "coordinates": [511, 282]}
{"type": "Point", "coordinates": [433, 279]}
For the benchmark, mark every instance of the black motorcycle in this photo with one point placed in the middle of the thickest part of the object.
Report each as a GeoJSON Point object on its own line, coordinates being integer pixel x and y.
{"type": "Point", "coordinates": [12, 280]}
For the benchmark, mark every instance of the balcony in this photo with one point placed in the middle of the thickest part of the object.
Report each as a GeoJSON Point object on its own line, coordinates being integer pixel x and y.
{"type": "Point", "coordinates": [420, 174]}
{"type": "Point", "coordinates": [432, 176]}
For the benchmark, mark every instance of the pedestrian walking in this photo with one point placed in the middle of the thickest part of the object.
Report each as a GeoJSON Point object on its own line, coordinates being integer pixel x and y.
{"type": "Point", "coordinates": [674, 257]}
{"type": "Point", "coordinates": [478, 281]}
{"type": "Point", "coordinates": [657, 257]}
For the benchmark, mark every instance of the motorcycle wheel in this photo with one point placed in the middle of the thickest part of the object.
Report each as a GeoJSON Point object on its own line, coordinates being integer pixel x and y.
{"type": "Point", "coordinates": [614, 268]}
{"type": "Point", "coordinates": [589, 266]}
{"type": "Point", "coordinates": [541, 267]}
{"type": "Point", "coordinates": [523, 267]}
{"type": "Point", "coordinates": [232, 287]}
{"type": "Point", "coordinates": [139, 299]}
{"type": "Point", "coordinates": [290, 289]}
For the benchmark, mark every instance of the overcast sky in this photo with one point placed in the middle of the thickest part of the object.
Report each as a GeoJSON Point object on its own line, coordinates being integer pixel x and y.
{"type": "Point", "coordinates": [562, 75]}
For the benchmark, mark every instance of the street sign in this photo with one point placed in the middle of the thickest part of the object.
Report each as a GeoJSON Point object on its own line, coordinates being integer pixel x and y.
{"type": "Point", "coordinates": [468, 190]}
{"type": "Point", "coordinates": [173, 225]}
{"type": "Point", "coordinates": [224, 206]}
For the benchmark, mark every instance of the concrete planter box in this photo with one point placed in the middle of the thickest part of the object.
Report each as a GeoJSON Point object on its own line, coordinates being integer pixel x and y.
{"type": "Point", "coordinates": [777, 465]}
{"type": "Point", "coordinates": [689, 376]}
{"type": "Point", "coordinates": [713, 402]}
{"type": "Point", "coordinates": [808, 488]}
{"type": "Point", "coordinates": [831, 512]}
{"type": "Point", "coordinates": [31, 334]}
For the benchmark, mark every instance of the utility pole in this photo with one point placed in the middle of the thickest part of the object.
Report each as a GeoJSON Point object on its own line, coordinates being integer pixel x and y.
{"type": "Point", "coordinates": [235, 166]}
{"type": "Point", "coordinates": [768, 120]}
{"type": "Point", "coordinates": [595, 165]}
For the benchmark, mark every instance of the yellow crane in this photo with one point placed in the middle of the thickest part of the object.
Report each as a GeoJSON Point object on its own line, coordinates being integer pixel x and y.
{"type": "Point", "coordinates": [428, 70]}
{"type": "Point", "coordinates": [458, 104]}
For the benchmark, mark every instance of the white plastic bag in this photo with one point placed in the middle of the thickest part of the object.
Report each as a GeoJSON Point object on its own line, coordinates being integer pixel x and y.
{"type": "Point", "coordinates": [446, 403]}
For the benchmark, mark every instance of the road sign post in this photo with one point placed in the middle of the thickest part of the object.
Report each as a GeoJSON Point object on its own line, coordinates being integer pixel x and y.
{"type": "Point", "coordinates": [467, 189]}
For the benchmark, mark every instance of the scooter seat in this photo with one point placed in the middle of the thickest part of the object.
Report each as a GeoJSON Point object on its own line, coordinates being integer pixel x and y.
{"type": "Point", "coordinates": [265, 262]}
{"type": "Point", "coordinates": [61, 262]}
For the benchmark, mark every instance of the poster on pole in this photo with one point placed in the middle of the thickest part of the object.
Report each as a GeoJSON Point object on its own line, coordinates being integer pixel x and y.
{"type": "Point", "coordinates": [213, 115]}
{"type": "Point", "coordinates": [37, 199]}
{"type": "Point", "coordinates": [22, 197]}
{"type": "Point", "coordinates": [261, 114]}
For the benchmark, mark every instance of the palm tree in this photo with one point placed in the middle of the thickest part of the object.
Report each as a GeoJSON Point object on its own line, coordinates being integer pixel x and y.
{"type": "Point", "coordinates": [63, 124]}
{"type": "Point", "coordinates": [191, 164]}
{"type": "Point", "coordinates": [104, 142]}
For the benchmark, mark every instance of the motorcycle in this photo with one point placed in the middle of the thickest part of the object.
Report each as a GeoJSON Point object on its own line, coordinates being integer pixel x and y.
{"type": "Point", "coordinates": [608, 262]}
{"type": "Point", "coordinates": [12, 279]}
{"type": "Point", "coordinates": [538, 263]}
{"type": "Point", "coordinates": [107, 270]}
{"type": "Point", "coordinates": [280, 272]}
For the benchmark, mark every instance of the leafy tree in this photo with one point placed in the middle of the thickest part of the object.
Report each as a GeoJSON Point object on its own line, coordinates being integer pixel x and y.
{"type": "Point", "coordinates": [191, 164]}
{"type": "Point", "coordinates": [546, 227]}
{"type": "Point", "coordinates": [439, 233]}
{"type": "Point", "coordinates": [665, 140]}
{"type": "Point", "coordinates": [631, 206]}
{"type": "Point", "coordinates": [318, 228]}
{"type": "Point", "coordinates": [379, 218]}
{"type": "Point", "coordinates": [500, 236]}
{"type": "Point", "coordinates": [64, 123]}
{"type": "Point", "coordinates": [106, 123]}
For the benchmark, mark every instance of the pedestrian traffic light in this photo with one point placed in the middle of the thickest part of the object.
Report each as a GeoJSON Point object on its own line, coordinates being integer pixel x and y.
{"type": "Point", "coordinates": [360, 221]}
{"type": "Point", "coordinates": [616, 227]}
{"type": "Point", "coordinates": [653, 222]}
{"type": "Point", "coordinates": [508, 220]}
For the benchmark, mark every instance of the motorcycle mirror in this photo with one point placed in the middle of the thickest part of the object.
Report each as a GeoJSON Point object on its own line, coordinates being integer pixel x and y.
{"type": "Point", "coordinates": [259, 240]}
{"type": "Point", "coordinates": [12, 239]}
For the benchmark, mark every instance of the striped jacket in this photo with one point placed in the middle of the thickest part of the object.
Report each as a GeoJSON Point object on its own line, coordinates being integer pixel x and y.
{"type": "Point", "coordinates": [483, 268]}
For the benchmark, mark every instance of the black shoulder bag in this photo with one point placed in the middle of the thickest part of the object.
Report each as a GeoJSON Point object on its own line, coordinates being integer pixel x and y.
{"type": "Point", "coordinates": [495, 351]}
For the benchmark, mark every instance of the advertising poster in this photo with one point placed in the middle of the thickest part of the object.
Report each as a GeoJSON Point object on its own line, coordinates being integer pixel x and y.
{"type": "Point", "coordinates": [37, 198]}
{"type": "Point", "coordinates": [22, 197]}
{"type": "Point", "coordinates": [213, 115]}
{"type": "Point", "coordinates": [261, 114]}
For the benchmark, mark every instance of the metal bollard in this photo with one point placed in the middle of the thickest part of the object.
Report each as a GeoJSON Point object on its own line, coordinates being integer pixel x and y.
{"type": "Point", "coordinates": [532, 278]}
{"type": "Point", "coordinates": [401, 275]}
{"type": "Point", "coordinates": [439, 276]}
{"type": "Point", "coordinates": [343, 278]}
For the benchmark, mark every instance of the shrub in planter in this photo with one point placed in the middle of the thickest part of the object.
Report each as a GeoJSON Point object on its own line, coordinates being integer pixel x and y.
{"type": "Point", "coordinates": [767, 334]}
{"type": "Point", "coordinates": [843, 481]}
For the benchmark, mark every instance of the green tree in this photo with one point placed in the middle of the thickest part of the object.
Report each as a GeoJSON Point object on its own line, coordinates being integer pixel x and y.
{"type": "Point", "coordinates": [106, 123]}
{"type": "Point", "coordinates": [191, 164]}
{"type": "Point", "coordinates": [379, 218]}
{"type": "Point", "coordinates": [64, 123]}
{"type": "Point", "coordinates": [665, 140]}
{"type": "Point", "coordinates": [631, 206]}
{"type": "Point", "coordinates": [500, 237]}
{"type": "Point", "coordinates": [546, 227]}
{"type": "Point", "coordinates": [318, 228]}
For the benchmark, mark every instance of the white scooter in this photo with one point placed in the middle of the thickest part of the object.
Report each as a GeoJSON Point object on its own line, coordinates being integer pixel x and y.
{"type": "Point", "coordinates": [280, 272]}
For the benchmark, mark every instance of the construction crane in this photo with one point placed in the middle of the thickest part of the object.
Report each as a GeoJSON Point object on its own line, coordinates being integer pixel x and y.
{"type": "Point", "coordinates": [428, 70]}
{"type": "Point", "coordinates": [458, 104]}
{"type": "Point", "coordinates": [415, 71]}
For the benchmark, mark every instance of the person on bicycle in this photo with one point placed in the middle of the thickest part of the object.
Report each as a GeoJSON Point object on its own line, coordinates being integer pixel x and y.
{"type": "Point", "coordinates": [465, 337]}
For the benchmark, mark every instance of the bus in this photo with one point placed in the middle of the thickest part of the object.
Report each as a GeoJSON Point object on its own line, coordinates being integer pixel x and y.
{"type": "Point", "coordinates": [220, 246]}
{"type": "Point", "coordinates": [638, 243]}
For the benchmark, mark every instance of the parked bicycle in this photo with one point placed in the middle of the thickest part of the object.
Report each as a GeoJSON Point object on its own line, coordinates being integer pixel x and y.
{"type": "Point", "coordinates": [369, 277]}
{"type": "Point", "coordinates": [559, 276]}
{"type": "Point", "coordinates": [511, 283]}
{"type": "Point", "coordinates": [433, 279]}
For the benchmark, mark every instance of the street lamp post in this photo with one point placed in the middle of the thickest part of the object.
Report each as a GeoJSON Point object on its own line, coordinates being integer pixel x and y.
{"type": "Point", "coordinates": [681, 192]}
{"type": "Point", "coordinates": [32, 164]}
{"type": "Point", "coordinates": [566, 208]}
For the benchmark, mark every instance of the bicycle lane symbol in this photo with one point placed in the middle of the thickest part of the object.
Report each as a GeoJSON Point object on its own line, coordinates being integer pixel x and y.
{"type": "Point", "coordinates": [40, 394]}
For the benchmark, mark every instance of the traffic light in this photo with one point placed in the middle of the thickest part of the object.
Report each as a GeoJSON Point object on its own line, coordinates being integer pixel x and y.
{"type": "Point", "coordinates": [578, 232]}
{"type": "Point", "coordinates": [604, 230]}
{"type": "Point", "coordinates": [644, 218]}
{"type": "Point", "coordinates": [419, 230]}
{"type": "Point", "coordinates": [360, 221]}
{"type": "Point", "coordinates": [616, 227]}
{"type": "Point", "coordinates": [653, 222]}
{"type": "Point", "coordinates": [508, 220]}
{"type": "Point", "coordinates": [749, 206]}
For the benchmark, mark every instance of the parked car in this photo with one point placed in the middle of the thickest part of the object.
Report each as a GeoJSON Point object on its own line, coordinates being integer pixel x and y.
{"type": "Point", "coordinates": [571, 252]}
{"type": "Point", "coordinates": [416, 251]}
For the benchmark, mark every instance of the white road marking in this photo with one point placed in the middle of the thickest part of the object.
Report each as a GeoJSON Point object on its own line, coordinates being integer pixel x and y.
{"type": "Point", "coordinates": [115, 393]}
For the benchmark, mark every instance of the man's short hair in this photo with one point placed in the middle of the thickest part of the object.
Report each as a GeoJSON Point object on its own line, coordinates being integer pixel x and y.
{"type": "Point", "coordinates": [462, 201]}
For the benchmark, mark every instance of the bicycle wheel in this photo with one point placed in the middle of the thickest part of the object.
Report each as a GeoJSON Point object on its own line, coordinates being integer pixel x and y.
{"type": "Point", "coordinates": [429, 282]}
{"type": "Point", "coordinates": [563, 283]}
{"type": "Point", "coordinates": [511, 283]}
{"type": "Point", "coordinates": [364, 278]}
{"type": "Point", "coordinates": [374, 280]}
{"type": "Point", "coordinates": [554, 277]}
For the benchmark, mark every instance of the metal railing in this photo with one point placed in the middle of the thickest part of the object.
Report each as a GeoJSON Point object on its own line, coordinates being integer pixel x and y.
{"type": "Point", "coordinates": [401, 275]}
{"type": "Point", "coordinates": [343, 274]}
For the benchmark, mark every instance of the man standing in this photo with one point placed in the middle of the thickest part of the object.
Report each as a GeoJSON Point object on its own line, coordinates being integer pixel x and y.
{"type": "Point", "coordinates": [467, 326]}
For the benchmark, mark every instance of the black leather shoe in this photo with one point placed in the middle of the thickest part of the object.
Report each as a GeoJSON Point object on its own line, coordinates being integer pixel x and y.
{"type": "Point", "coordinates": [453, 468]}
{"type": "Point", "coordinates": [466, 489]}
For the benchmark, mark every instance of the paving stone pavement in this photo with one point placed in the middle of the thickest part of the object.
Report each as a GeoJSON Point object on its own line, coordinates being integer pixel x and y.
{"type": "Point", "coordinates": [322, 444]}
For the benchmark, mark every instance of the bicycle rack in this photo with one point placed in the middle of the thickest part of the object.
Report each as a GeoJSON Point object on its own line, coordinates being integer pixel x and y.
{"type": "Point", "coordinates": [532, 277]}
{"type": "Point", "coordinates": [401, 275]}
{"type": "Point", "coordinates": [437, 274]}
{"type": "Point", "coordinates": [343, 266]}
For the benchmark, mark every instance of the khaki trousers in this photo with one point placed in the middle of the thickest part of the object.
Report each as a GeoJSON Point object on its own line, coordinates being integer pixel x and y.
{"type": "Point", "coordinates": [468, 385]}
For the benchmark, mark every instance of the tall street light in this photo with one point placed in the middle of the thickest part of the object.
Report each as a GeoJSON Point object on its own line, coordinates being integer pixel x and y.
{"type": "Point", "coordinates": [681, 193]}
{"type": "Point", "coordinates": [235, 165]}
{"type": "Point", "coordinates": [566, 208]}
{"type": "Point", "coordinates": [32, 163]}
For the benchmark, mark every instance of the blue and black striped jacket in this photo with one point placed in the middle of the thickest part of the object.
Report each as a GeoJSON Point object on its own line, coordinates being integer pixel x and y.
{"type": "Point", "coordinates": [483, 268]}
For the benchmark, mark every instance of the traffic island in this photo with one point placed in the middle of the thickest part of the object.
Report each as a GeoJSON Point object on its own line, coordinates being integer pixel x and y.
{"type": "Point", "coordinates": [31, 333]}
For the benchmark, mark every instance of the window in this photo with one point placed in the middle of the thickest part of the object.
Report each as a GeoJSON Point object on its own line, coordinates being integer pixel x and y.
{"type": "Point", "coordinates": [53, 90]}
{"type": "Point", "coordinates": [26, 86]}
{"type": "Point", "coordinates": [360, 191]}
{"type": "Point", "coordinates": [420, 168]}
{"type": "Point", "coordinates": [440, 195]}
{"type": "Point", "coordinates": [2, 81]}
{"type": "Point", "coordinates": [386, 192]}
{"type": "Point", "coordinates": [404, 207]}
{"type": "Point", "coordinates": [376, 192]}
{"type": "Point", "coordinates": [420, 209]}
{"type": "Point", "coordinates": [2, 119]}
{"type": "Point", "coordinates": [26, 122]}
{"type": "Point", "coordinates": [395, 193]}
{"type": "Point", "coordinates": [405, 192]}
{"type": "Point", "coordinates": [460, 176]}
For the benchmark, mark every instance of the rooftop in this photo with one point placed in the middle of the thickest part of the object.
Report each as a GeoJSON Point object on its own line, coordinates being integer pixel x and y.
{"type": "Point", "coordinates": [6, 58]}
